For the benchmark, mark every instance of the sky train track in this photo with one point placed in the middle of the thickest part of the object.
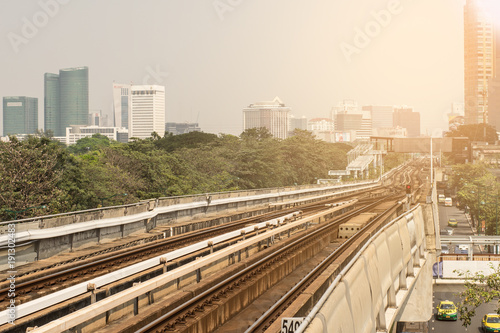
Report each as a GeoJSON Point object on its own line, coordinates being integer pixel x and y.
{"type": "Point", "coordinates": [32, 283]}
{"type": "Point", "coordinates": [180, 318]}
{"type": "Point", "coordinates": [46, 283]}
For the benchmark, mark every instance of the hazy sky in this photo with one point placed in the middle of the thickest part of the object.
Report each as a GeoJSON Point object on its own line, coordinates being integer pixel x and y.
{"type": "Point", "coordinates": [216, 57]}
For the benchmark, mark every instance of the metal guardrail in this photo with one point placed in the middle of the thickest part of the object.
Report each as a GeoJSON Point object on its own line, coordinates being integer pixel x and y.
{"type": "Point", "coordinates": [170, 201]}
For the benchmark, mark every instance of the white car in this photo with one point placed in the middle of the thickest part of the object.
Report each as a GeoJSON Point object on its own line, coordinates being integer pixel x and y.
{"type": "Point", "coordinates": [441, 198]}
{"type": "Point", "coordinates": [448, 202]}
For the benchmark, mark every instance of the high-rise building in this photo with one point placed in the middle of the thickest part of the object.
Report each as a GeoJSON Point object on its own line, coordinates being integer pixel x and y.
{"type": "Point", "coordinates": [348, 116]}
{"type": "Point", "coordinates": [381, 115]}
{"type": "Point", "coordinates": [348, 106]}
{"type": "Point", "coordinates": [297, 123]}
{"type": "Point", "coordinates": [479, 52]}
{"type": "Point", "coordinates": [20, 115]}
{"type": "Point", "coordinates": [121, 104]}
{"type": "Point", "coordinates": [147, 111]}
{"type": "Point", "coordinates": [494, 86]}
{"type": "Point", "coordinates": [66, 99]}
{"type": "Point", "coordinates": [272, 115]}
{"type": "Point", "coordinates": [405, 117]}
{"type": "Point", "coordinates": [51, 109]}
{"type": "Point", "coordinates": [182, 128]}
{"type": "Point", "coordinates": [322, 129]}
{"type": "Point", "coordinates": [348, 122]}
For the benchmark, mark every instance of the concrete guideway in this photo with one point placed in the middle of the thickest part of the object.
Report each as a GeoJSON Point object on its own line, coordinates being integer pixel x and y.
{"type": "Point", "coordinates": [70, 292]}
{"type": "Point", "coordinates": [377, 283]}
{"type": "Point", "coordinates": [98, 308]}
{"type": "Point", "coordinates": [42, 241]}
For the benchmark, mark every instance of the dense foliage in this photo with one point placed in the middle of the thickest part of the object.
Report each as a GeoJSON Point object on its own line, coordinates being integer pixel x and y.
{"type": "Point", "coordinates": [478, 289]}
{"type": "Point", "coordinates": [478, 192]}
{"type": "Point", "coordinates": [41, 172]}
{"type": "Point", "coordinates": [475, 132]}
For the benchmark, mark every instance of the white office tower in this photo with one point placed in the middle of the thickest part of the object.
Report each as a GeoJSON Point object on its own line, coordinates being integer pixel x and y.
{"type": "Point", "coordinates": [147, 112]}
{"type": "Point", "coordinates": [347, 106]}
{"type": "Point", "coordinates": [121, 104]}
{"type": "Point", "coordinates": [272, 115]}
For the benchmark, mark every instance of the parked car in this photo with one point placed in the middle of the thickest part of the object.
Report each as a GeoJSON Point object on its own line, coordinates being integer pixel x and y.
{"type": "Point", "coordinates": [446, 311]}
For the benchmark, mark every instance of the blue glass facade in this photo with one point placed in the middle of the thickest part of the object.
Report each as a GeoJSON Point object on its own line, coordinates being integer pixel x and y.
{"type": "Point", "coordinates": [74, 96]}
{"type": "Point", "coordinates": [125, 111]}
{"type": "Point", "coordinates": [66, 99]}
{"type": "Point", "coordinates": [20, 115]}
{"type": "Point", "coordinates": [51, 104]}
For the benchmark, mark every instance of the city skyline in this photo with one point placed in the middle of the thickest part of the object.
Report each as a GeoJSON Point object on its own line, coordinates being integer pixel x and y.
{"type": "Point", "coordinates": [214, 62]}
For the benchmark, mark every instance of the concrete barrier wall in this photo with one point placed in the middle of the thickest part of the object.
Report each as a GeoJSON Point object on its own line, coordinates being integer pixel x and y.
{"type": "Point", "coordinates": [449, 267]}
{"type": "Point", "coordinates": [67, 232]}
{"type": "Point", "coordinates": [369, 294]}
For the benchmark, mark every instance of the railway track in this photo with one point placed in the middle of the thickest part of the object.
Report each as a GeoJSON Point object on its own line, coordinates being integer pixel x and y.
{"type": "Point", "coordinates": [32, 284]}
{"type": "Point", "coordinates": [269, 321]}
{"type": "Point", "coordinates": [180, 318]}
{"type": "Point", "coordinates": [74, 272]}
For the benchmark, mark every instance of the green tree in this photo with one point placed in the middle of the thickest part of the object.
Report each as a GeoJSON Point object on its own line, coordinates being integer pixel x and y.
{"type": "Point", "coordinates": [475, 132]}
{"type": "Point", "coordinates": [30, 171]}
{"type": "Point", "coordinates": [171, 142]}
{"type": "Point", "coordinates": [257, 134]}
{"type": "Point", "coordinates": [478, 289]}
{"type": "Point", "coordinates": [89, 144]}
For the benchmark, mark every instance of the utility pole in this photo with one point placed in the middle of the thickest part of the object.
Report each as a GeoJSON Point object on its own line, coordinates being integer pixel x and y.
{"type": "Point", "coordinates": [484, 93]}
{"type": "Point", "coordinates": [432, 165]}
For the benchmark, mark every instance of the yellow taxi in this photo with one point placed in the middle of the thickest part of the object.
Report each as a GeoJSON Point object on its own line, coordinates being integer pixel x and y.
{"type": "Point", "coordinates": [446, 310]}
{"type": "Point", "coordinates": [491, 322]}
{"type": "Point", "coordinates": [452, 222]}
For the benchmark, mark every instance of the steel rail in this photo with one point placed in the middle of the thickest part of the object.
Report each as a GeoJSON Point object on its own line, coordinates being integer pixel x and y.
{"type": "Point", "coordinates": [247, 271]}
{"type": "Point", "coordinates": [312, 275]}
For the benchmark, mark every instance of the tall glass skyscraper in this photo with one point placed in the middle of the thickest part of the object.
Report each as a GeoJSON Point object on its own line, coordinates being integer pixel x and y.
{"type": "Point", "coordinates": [20, 115]}
{"type": "Point", "coordinates": [66, 99]}
{"type": "Point", "coordinates": [51, 103]}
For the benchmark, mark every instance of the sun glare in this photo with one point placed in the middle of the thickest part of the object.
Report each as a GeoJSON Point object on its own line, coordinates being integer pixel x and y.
{"type": "Point", "coordinates": [493, 8]}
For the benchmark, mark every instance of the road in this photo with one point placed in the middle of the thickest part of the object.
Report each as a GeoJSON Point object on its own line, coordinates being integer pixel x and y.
{"type": "Point", "coordinates": [445, 213]}
{"type": "Point", "coordinates": [450, 292]}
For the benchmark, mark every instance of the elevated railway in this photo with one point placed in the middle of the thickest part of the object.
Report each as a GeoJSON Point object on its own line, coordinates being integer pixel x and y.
{"type": "Point", "coordinates": [215, 297]}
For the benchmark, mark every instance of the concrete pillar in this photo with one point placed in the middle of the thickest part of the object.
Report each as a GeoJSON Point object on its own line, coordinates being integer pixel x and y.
{"type": "Point", "coordinates": [391, 297]}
